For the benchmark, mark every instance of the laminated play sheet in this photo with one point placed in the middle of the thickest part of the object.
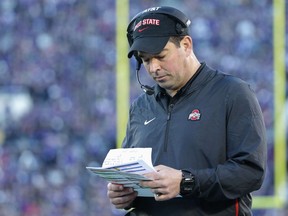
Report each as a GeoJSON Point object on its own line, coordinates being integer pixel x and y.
{"type": "Point", "coordinates": [127, 166]}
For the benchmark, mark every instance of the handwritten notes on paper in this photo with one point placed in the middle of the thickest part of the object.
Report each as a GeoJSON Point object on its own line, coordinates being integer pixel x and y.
{"type": "Point", "coordinates": [127, 166]}
{"type": "Point", "coordinates": [116, 157]}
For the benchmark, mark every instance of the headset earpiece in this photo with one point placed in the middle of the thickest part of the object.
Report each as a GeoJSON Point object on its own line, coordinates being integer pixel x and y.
{"type": "Point", "coordinates": [139, 60]}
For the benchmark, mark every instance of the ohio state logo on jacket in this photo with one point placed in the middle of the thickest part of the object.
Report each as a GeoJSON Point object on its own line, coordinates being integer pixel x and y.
{"type": "Point", "coordinates": [194, 115]}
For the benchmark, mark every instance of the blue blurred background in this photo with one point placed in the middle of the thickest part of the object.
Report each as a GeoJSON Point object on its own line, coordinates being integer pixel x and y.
{"type": "Point", "coordinates": [58, 94]}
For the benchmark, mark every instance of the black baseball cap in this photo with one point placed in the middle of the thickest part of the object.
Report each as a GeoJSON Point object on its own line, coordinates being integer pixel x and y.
{"type": "Point", "coordinates": [151, 32]}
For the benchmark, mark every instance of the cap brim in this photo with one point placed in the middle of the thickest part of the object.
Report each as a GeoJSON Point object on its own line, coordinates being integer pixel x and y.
{"type": "Point", "coordinates": [151, 45]}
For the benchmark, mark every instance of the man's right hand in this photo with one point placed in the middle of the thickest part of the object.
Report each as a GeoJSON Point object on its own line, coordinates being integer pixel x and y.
{"type": "Point", "coordinates": [120, 196]}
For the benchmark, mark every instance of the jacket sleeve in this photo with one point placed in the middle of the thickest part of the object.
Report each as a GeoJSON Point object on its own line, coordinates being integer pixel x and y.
{"type": "Point", "coordinates": [244, 169]}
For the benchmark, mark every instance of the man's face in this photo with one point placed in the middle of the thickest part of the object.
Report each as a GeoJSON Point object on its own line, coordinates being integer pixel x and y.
{"type": "Point", "coordinates": [169, 67]}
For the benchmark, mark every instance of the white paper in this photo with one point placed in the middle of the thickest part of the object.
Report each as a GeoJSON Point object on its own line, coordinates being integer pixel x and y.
{"type": "Point", "coordinates": [126, 166]}
{"type": "Point", "coordinates": [124, 156]}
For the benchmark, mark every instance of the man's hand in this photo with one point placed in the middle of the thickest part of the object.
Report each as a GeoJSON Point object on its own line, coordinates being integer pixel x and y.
{"type": "Point", "coordinates": [119, 196]}
{"type": "Point", "coordinates": [165, 184]}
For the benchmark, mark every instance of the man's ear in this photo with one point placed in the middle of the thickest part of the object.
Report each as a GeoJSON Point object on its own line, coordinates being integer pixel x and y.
{"type": "Point", "coordinates": [186, 42]}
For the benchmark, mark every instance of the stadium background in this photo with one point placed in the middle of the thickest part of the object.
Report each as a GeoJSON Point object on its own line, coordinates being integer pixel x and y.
{"type": "Point", "coordinates": [65, 84]}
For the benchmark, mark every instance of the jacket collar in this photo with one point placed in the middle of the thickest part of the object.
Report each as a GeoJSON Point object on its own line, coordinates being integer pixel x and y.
{"type": "Point", "coordinates": [202, 75]}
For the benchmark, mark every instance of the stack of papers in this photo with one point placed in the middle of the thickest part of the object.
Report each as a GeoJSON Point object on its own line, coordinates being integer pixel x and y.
{"type": "Point", "coordinates": [126, 167]}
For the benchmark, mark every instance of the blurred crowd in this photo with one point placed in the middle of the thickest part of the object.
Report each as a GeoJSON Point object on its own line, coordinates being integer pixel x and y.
{"type": "Point", "coordinates": [58, 101]}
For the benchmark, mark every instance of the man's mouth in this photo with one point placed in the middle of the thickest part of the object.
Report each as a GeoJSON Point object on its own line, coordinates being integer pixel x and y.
{"type": "Point", "coordinates": [160, 78]}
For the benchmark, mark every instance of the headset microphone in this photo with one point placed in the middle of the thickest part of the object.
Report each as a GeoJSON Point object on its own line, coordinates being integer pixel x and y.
{"type": "Point", "coordinates": [147, 89]}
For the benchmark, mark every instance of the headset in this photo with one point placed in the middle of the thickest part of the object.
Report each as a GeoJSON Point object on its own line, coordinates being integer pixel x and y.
{"type": "Point", "coordinates": [181, 27]}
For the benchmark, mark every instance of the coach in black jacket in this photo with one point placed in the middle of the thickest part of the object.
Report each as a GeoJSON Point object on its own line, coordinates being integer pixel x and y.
{"type": "Point", "coordinates": [205, 128]}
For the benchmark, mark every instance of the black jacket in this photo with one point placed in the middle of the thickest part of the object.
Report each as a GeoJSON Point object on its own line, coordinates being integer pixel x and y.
{"type": "Point", "coordinates": [213, 127]}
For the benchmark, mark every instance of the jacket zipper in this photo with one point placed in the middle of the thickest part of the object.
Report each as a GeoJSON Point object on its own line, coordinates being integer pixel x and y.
{"type": "Point", "coordinates": [170, 107]}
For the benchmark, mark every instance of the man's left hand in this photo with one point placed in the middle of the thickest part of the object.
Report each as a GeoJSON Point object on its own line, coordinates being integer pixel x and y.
{"type": "Point", "coordinates": [165, 182]}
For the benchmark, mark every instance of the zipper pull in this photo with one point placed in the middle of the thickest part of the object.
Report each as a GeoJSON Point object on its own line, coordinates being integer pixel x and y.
{"type": "Point", "coordinates": [170, 107]}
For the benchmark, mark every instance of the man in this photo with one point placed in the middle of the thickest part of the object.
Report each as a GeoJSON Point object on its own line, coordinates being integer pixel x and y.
{"type": "Point", "coordinates": [205, 128]}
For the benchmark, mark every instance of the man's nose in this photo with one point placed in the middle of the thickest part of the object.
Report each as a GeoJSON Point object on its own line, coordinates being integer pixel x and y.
{"type": "Point", "coordinates": [154, 65]}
